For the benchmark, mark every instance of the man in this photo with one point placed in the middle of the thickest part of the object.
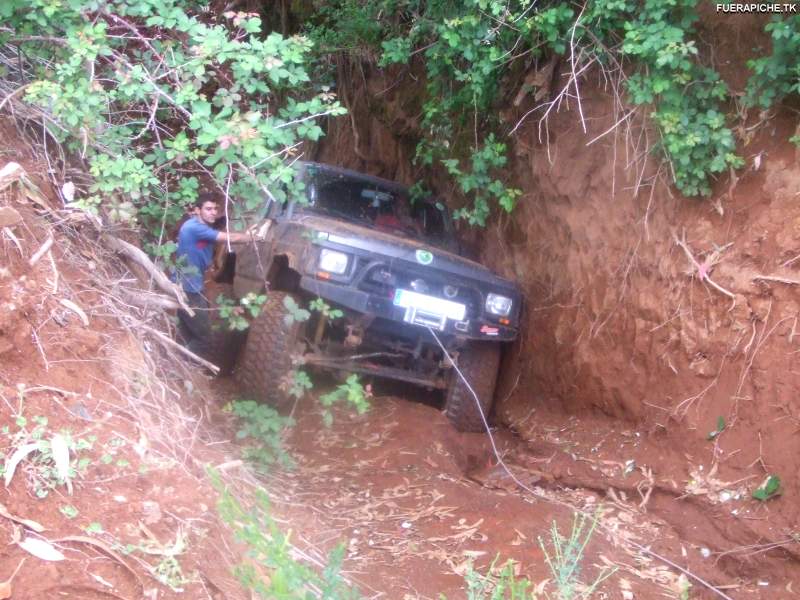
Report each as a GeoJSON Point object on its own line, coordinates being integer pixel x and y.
{"type": "Point", "coordinates": [195, 253]}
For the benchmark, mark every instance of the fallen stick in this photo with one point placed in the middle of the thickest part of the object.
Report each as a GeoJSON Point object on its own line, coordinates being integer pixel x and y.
{"type": "Point", "coordinates": [151, 301]}
{"type": "Point", "coordinates": [105, 548]}
{"type": "Point", "coordinates": [48, 243]}
{"type": "Point", "coordinates": [141, 259]}
{"type": "Point", "coordinates": [172, 343]}
{"type": "Point", "coordinates": [785, 280]}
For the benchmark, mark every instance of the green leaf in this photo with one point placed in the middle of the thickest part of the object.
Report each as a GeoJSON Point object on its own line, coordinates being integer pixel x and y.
{"type": "Point", "coordinates": [720, 428]}
{"type": "Point", "coordinates": [769, 489]}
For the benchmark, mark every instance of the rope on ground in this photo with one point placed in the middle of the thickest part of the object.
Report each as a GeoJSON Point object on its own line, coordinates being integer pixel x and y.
{"type": "Point", "coordinates": [533, 492]}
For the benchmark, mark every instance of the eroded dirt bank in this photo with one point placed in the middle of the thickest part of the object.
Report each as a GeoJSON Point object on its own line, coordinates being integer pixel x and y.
{"type": "Point", "coordinates": [648, 314]}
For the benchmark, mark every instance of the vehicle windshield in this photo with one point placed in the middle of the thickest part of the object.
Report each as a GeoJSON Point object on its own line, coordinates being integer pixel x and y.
{"type": "Point", "coordinates": [366, 202]}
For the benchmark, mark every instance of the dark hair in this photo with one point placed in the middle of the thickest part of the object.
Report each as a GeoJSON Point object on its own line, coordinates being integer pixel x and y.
{"type": "Point", "coordinates": [204, 197]}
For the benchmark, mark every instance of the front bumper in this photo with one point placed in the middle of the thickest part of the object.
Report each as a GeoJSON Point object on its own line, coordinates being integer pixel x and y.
{"type": "Point", "coordinates": [384, 307]}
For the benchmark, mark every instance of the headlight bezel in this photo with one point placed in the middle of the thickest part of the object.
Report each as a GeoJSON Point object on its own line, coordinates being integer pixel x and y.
{"type": "Point", "coordinates": [332, 261]}
{"type": "Point", "coordinates": [498, 305]}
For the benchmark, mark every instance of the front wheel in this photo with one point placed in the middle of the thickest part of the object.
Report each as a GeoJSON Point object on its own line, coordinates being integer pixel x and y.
{"type": "Point", "coordinates": [267, 357]}
{"type": "Point", "coordinates": [478, 363]}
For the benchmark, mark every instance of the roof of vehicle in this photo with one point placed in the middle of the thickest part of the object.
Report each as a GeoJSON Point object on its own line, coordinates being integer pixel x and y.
{"type": "Point", "coordinates": [378, 181]}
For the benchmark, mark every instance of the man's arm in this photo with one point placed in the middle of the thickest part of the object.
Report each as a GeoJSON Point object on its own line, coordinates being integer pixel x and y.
{"type": "Point", "coordinates": [234, 236]}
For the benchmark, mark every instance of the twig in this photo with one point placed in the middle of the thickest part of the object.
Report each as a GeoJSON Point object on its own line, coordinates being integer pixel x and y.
{"type": "Point", "coordinates": [686, 404]}
{"type": "Point", "coordinates": [41, 251]}
{"type": "Point", "coordinates": [8, 232]}
{"type": "Point", "coordinates": [12, 94]}
{"type": "Point", "coordinates": [614, 126]}
{"type": "Point", "coordinates": [785, 280]}
{"type": "Point", "coordinates": [703, 269]}
{"type": "Point", "coordinates": [173, 344]}
{"type": "Point", "coordinates": [41, 349]}
{"type": "Point", "coordinates": [150, 300]}
{"type": "Point", "coordinates": [790, 261]}
{"type": "Point", "coordinates": [572, 63]}
{"type": "Point", "coordinates": [55, 272]}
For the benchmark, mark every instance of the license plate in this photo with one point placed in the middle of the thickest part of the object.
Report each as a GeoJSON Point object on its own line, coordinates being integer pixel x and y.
{"type": "Point", "coordinates": [422, 309]}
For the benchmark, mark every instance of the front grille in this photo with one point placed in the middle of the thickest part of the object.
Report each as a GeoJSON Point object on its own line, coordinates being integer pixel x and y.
{"type": "Point", "coordinates": [382, 280]}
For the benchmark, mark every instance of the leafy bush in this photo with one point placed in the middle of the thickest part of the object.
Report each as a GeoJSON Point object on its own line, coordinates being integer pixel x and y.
{"type": "Point", "coordinates": [262, 428]}
{"type": "Point", "coordinates": [470, 48]}
{"type": "Point", "coordinates": [777, 75]}
{"type": "Point", "coordinates": [236, 314]}
{"type": "Point", "coordinates": [161, 98]}
{"type": "Point", "coordinates": [352, 392]}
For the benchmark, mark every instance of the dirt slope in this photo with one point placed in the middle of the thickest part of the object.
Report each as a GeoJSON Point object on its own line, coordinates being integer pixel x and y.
{"type": "Point", "coordinates": [137, 519]}
{"type": "Point", "coordinates": [622, 335]}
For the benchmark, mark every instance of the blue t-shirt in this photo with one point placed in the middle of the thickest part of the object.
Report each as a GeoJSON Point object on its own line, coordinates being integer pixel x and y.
{"type": "Point", "coordinates": [195, 253]}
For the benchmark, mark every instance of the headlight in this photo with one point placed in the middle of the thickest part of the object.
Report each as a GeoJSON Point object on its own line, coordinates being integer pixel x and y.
{"type": "Point", "coordinates": [498, 305]}
{"type": "Point", "coordinates": [333, 261]}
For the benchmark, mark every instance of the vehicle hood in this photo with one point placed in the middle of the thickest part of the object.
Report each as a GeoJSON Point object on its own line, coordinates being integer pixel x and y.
{"type": "Point", "coordinates": [346, 235]}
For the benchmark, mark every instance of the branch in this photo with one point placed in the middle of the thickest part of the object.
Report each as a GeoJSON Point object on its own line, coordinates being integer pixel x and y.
{"type": "Point", "coordinates": [785, 280]}
{"type": "Point", "coordinates": [141, 259]}
{"type": "Point", "coordinates": [173, 344]}
{"type": "Point", "coordinates": [150, 300]}
{"type": "Point", "coordinates": [41, 251]}
{"type": "Point", "coordinates": [702, 269]}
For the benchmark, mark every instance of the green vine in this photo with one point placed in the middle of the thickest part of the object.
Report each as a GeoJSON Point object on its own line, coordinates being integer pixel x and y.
{"type": "Point", "coordinates": [474, 49]}
{"type": "Point", "coordinates": [777, 75]}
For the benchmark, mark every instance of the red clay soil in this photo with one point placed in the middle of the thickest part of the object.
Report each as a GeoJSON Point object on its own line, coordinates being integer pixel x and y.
{"type": "Point", "coordinates": [149, 509]}
{"type": "Point", "coordinates": [627, 349]}
{"type": "Point", "coordinates": [627, 363]}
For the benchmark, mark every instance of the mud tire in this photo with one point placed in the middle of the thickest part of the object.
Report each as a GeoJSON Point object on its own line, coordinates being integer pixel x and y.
{"type": "Point", "coordinates": [224, 345]}
{"type": "Point", "coordinates": [224, 348]}
{"type": "Point", "coordinates": [479, 363]}
{"type": "Point", "coordinates": [267, 354]}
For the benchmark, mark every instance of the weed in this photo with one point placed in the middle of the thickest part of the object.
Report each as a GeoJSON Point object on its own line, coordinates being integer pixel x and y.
{"type": "Point", "coordinates": [68, 511]}
{"type": "Point", "coordinates": [296, 383]}
{"type": "Point", "coordinates": [567, 555]}
{"type": "Point", "coordinates": [262, 428]}
{"type": "Point", "coordinates": [168, 572]}
{"type": "Point", "coordinates": [94, 528]}
{"type": "Point", "coordinates": [293, 312]}
{"type": "Point", "coordinates": [325, 309]}
{"type": "Point", "coordinates": [270, 550]}
{"type": "Point", "coordinates": [355, 394]}
{"type": "Point", "coordinates": [498, 584]}
{"type": "Point", "coordinates": [236, 315]}
{"type": "Point", "coordinates": [720, 428]}
{"type": "Point", "coordinates": [45, 469]}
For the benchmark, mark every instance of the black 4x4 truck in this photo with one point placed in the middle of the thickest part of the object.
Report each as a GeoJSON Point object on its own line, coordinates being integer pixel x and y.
{"type": "Point", "coordinates": [392, 266]}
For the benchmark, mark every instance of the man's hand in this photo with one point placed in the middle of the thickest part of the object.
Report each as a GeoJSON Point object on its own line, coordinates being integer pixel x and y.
{"type": "Point", "coordinates": [259, 230]}
{"type": "Point", "coordinates": [256, 232]}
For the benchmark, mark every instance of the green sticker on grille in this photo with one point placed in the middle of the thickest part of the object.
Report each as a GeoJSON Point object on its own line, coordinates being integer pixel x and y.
{"type": "Point", "coordinates": [424, 257]}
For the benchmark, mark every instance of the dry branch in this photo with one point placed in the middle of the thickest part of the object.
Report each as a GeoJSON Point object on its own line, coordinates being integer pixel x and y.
{"type": "Point", "coordinates": [141, 259]}
{"type": "Point", "coordinates": [785, 280]}
{"type": "Point", "coordinates": [704, 268]}
{"type": "Point", "coordinates": [150, 300]}
{"type": "Point", "coordinates": [172, 343]}
{"type": "Point", "coordinates": [41, 251]}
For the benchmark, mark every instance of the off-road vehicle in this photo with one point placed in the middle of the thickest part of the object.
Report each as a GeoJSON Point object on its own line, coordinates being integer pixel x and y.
{"type": "Point", "coordinates": [392, 266]}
